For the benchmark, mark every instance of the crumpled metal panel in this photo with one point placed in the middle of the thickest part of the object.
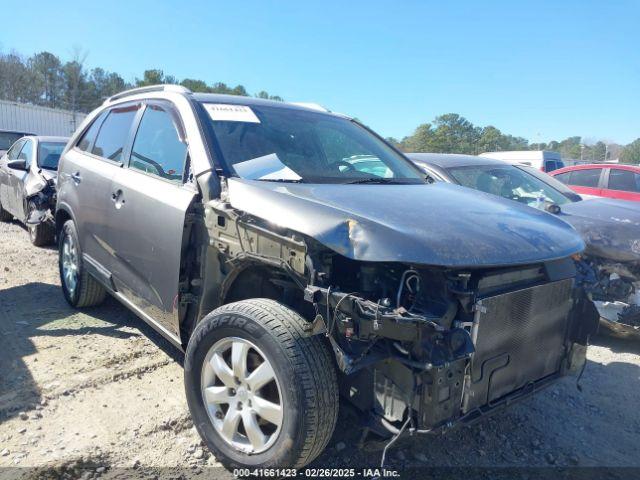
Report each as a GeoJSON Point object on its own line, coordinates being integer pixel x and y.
{"type": "Point", "coordinates": [610, 228]}
{"type": "Point", "coordinates": [438, 224]}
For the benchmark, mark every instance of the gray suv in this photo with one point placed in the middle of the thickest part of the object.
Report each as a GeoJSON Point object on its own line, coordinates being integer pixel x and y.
{"type": "Point", "coordinates": [297, 257]}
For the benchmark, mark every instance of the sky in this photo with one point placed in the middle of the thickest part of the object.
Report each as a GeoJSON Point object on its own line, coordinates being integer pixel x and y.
{"type": "Point", "coordinates": [540, 69]}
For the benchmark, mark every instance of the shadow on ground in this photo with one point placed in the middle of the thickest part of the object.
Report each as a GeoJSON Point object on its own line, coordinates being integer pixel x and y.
{"type": "Point", "coordinates": [39, 309]}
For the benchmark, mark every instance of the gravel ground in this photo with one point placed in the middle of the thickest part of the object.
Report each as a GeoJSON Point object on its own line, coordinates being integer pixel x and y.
{"type": "Point", "coordinates": [88, 392]}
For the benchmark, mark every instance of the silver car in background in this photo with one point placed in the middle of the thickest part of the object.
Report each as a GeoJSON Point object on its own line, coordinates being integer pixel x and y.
{"type": "Point", "coordinates": [28, 173]}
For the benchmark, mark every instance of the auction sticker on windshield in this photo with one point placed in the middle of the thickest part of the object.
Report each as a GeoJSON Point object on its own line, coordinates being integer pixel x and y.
{"type": "Point", "coordinates": [222, 112]}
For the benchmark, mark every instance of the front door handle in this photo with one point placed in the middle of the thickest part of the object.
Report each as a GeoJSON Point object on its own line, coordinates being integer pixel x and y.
{"type": "Point", "coordinates": [76, 177]}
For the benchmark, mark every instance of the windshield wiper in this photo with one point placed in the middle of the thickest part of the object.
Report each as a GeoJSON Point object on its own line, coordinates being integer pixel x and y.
{"type": "Point", "coordinates": [380, 180]}
{"type": "Point", "coordinates": [281, 180]}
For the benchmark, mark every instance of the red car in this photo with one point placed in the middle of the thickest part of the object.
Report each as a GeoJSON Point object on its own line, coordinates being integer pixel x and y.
{"type": "Point", "coordinates": [602, 180]}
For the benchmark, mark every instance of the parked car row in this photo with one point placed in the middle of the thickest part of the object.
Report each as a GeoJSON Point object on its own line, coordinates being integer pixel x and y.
{"type": "Point", "coordinates": [296, 257]}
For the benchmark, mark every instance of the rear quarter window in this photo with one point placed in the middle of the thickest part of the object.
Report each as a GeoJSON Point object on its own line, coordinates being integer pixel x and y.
{"type": "Point", "coordinates": [86, 141]}
{"type": "Point", "coordinates": [563, 177]}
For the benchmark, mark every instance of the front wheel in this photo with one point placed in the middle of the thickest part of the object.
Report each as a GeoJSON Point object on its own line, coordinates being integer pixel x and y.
{"type": "Point", "coordinates": [262, 392]}
{"type": "Point", "coordinates": [4, 215]}
{"type": "Point", "coordinates": [41, 234]}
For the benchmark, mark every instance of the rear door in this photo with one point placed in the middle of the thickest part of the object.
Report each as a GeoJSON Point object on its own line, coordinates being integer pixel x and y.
{"type": "Point", "coordinates": [149, 201]}
{"type": "Point", "coordinates": [623, 184]}
{"type": "Point", "coordinates": [85, 175]}
{"type": "Point", "coordinates": [5, 175]}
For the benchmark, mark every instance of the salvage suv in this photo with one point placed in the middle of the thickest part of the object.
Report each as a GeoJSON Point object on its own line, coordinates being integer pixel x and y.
{"type": "Point", "coordinates": [297, 257]}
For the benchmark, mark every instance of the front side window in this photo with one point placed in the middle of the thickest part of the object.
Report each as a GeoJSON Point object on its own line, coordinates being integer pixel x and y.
{"type": "Point", "coordinates": [49, 154]}
{"type": "Point", "coordinates": [114, 132]}
{"type": "Point", "coordinates": [588, 177]}
{"type": "Point", "coordinates": [158, 148]}
{"type": "Point", "coordinates": [14, 151]}
{"type": "Point", "coordinates": [282, 144]}
{"type": "Point", "coordinates": [509, 182]}
{"type": "Point", "coordinates": [563, 177]}
{"type": "Point", "coordinates": [625, 180]}
{"type": "Point", "coordinates": [26, 153]}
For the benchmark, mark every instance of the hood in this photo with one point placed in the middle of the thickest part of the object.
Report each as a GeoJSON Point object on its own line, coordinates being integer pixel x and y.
{"type": "Point", "coordinates": [438, 224]}
{"type": "Point", "coordinates": [610, 228]}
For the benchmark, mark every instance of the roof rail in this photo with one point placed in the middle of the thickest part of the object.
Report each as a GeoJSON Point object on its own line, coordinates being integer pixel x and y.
{"type": "Point", "coordinates": [147, 89]}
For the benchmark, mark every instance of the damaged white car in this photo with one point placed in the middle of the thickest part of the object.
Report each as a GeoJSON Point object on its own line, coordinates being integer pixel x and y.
{"type": "Point", "coordinates": [28, 173]}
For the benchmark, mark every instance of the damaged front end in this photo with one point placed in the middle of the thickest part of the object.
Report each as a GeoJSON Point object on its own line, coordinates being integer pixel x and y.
{"type": "Point", "coordinates": [418, 343]}
{"type": "Point", "coordinates": [437, 347]}
{"type": "Point", "coordinates": [609, 268]}
{"type": "Point", "coordinates": [614, 287]}
{"type": "Point", "coordinates": [40, 199]}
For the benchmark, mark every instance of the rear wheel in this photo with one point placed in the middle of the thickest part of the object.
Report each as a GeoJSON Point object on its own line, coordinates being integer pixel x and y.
{"type": "Point", "coordinates": [262, 392]}
{"type": "Point", "coordinates": [80, 289]}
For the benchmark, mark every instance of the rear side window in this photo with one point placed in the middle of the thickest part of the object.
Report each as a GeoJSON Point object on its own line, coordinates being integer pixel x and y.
{"type": "Point", "coordinates": [589, 177]}
{"type": "Point", "coordinates": [624, 180]}
{"type": "Point", "coordinates": [114, 132]}
{"type": "Point", "coordinates": [89, 136]}
{"type": "Point", "coordinates": [158, 149]}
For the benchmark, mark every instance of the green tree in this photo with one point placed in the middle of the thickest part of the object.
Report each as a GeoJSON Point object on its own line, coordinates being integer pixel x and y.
{"type": "Point", "coordinates": [151, 77]}
{"type": "Point", "coordinates": [631, 153]}
{"type": "Point", "coordinates": [47, 72]}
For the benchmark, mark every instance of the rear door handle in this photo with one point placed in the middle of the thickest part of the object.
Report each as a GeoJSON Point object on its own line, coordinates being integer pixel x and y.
{"type": "Point", "coordinates": [116, 197]}
{"type": "Point", "coordinates": [76, 177]}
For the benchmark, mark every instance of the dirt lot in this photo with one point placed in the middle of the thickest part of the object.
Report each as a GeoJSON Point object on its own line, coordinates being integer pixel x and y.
{"type": "Point", "coordinates": [97, 390]}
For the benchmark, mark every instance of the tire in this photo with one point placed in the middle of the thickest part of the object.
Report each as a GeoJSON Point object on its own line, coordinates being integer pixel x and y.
{"type": "Point", "coordinates": [87, 292]}
{"type": "Point", "coordinates": [305, 374]}
{"type": "Point", "coordinates": [4, 215]}
{"type": "Point", "coordinates": [41, 234]}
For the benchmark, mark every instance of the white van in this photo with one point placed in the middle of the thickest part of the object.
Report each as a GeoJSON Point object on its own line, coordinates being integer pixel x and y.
{"type": "Point", "coordinates": [543, 160]}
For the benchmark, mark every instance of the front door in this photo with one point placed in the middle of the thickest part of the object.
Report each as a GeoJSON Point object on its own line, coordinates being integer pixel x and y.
{"type": "Point", "coordinates": [6, 192]}
{"type": "Point", "coordinates": [149, 201]}
{"type": "Point", "coordinates": [17, 178]}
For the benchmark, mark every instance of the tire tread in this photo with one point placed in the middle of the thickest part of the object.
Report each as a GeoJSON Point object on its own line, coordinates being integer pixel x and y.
{"type": "Point", "coordinates": [312, 363]}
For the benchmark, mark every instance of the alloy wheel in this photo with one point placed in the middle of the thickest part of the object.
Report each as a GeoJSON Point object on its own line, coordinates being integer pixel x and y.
{"type": "Point", "coordinates": [70, 264]}
{"type": "Point", "coordinates": [242, 395]}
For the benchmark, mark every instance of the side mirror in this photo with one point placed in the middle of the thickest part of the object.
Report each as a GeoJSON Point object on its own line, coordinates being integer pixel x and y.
{"type": "Point", "coordinates": [17, 164]}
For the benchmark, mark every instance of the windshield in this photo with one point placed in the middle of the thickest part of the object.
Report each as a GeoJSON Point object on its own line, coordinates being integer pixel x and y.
{"type": "Point", "coordinates": [49, 154]}
{"type": "Point", "coordinates": [509, 182]}
{"type": "Point", "coordinates": [288, 145]}
{"type": "Point", "coordinates": [8, 138]}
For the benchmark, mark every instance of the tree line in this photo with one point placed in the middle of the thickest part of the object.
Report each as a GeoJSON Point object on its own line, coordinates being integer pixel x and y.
{"type": "Point", "coordinates": [452, 133]}
{"type": "Point", "coordinates": [45, 79]}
